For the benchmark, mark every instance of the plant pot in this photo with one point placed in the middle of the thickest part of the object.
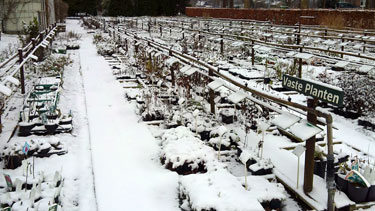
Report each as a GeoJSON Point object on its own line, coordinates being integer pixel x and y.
{"type": "Point", "coordinates": [205, 135]}
{"type": "Point", "coordinates": [320, 168]}
{"type": "Point", "coordinates": [266, 80]}
{"type": "Point", "coordinates": [261, 172]}
{"type": "Point", "coordinates": [341, 182]}
{"type": "Point", "coordinates": [227, 119]}
{"type": "Point", "coordinates": [51, 128]}
{"type": "Point", "coordinates": [371, 193]}
{"type": "Point", "coordinates": [357, 194]}
{"type": "Point", "coordinates": [66, 121]}
{"type": "Point", "coordinates": [351, 115]}
{"type": "Point", "coordinates": [343, 159]}
{"type": "Point", "coordinates": [25, 128]}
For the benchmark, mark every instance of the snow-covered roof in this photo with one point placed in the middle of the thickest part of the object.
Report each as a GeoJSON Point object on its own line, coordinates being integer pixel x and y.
{"type": "Point", "coordinates": [303, 56]}
{"type": "Point", "coordinates": [291, 53]}
{"type": "Point", "coordinates": [215, 84]}
{"type": "Point", "coordinates": [304, 130]}
{"type": "Point", "coordinates": [341, 64]}
{"type": "Point", "coordinates": [171, 61]}
{"type": "Point", "coordinates": [185, 68]}
{"type": "Point", "coordinates": [365, 68]}
{"type": "Point", "coordinates": [329, 42]}
{"type": "Point", "coordinates": [237, 97]}
{"type": "Point", "coordinates": [285, 120]}
{"type": "Point", "coordinates": [5, 90]}
{"type": "Point", "coordinates": [191, 71]}
{"type": "Point", "coordinates": [237, 44]}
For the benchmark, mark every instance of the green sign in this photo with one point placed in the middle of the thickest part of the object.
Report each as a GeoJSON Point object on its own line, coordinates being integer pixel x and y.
{"type": "Point", "coordinates": [8, 181]}
{"type": "Point", "coordinates": [321, 91]}
{"type": "Point", "coordinates": [53, 207]}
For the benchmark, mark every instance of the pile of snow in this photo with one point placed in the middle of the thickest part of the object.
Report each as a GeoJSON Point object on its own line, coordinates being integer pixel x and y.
{"type": "Point", "coordinates": [217, 190]}
{"type": "Point", "coordinates": [180, 147]}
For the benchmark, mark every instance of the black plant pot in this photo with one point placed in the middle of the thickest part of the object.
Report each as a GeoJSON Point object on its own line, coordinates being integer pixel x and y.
{"type": "Point", "coordinates": [343, 159]}
{"type": "Point", "coordinates": [371, 193]}
{"type": "Point", "coordinates": [320, 168]}
{"type": "Point", "coordinates": [261, 172]}
{"type": "Point", "coordinates": [361, 122]}
{"type": "Point", "coordinates": [227, 119]}
{"type": "Point", "coordinates": [341, 183]}
{"type": "Point", "coordinates": [14, 161]}
{"type": "Point", "coordinates": [51, 128]}
{"type": "Point", "coordinates": [205, 135]}
{"type": "Point", "coordinates": [357, 194]}
{"type": "Point", "coordinates": [24, 130]}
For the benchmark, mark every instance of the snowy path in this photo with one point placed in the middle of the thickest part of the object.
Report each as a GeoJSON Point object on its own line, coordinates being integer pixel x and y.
{"type": "Point", "coordinates": [127, 172]}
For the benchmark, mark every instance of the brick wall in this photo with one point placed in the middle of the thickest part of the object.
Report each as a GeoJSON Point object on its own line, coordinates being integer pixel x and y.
{"type": "Point", "coordinates": [332, 18]}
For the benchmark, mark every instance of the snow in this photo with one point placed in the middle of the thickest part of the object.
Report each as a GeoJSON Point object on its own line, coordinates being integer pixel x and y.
{"type": "Point", "coordinates": [117, 138]}
{"type": "Point", "coordinates": [342, 64]}
{"type": "Point", "coordinates": [221, 190]}
{"type": "Point", "coordinates": [237, 97]}
{"type": "Point", "coordinates": [215, 84]}
{"type": "Point", "coordinates": [285, 120]}
{"type": "Point", "coordinates": [305, 56]}
{"type": "Point", "coordinates": [304, 130]}
{"type": "Point", "coordinates": [180, 147]}
{"type": "Point", "coordinates": [5, 90]}
{"type": "Point", "coordinates": [191, 71]}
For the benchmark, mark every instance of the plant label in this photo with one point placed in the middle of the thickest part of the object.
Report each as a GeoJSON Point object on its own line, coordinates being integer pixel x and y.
{"type": "Point", "coordinates": [26, 148]}
{"type": "Point", "coordinates": [8, 181]}
{"type": "Point", "coordinates": [18, 185]}
{"type": "Point", "coordinates": [298, 151]}
{"type": "Point", "coordinates": [53, 207]}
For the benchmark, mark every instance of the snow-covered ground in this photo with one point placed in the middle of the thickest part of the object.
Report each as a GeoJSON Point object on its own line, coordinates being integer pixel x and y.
{"type": "Point", "coordinates": [113, 158]}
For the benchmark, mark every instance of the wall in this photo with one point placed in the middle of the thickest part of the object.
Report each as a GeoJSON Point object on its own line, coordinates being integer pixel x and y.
{"type": "Point", "coordinates": [363, 19]}
{"type": "Point", "coordinates": [24, 13]}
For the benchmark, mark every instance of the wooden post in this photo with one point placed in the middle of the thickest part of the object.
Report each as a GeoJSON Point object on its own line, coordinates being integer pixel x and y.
{"type": "Point", "coordinates": [221, 45]}
{"type": "Point", "coordinates": [22, 76]}
{"type": "Point", "coordinates": [310, 149]}
{"type": "Point", "coordinates": [342, 49]}
{"type": "Point", "coordinates": [299, 34]}
{"type": "Point", "coordinates": [212, 94]}
{"type": "Point", "coordinates": [252, 53]}
{"type": "Point", "coordinates": [300, 65]}
{"type": "Point", "coordinates": [298, 172]}
{"type": "Point", "coordinates": [364, 46]}
{"type": "Point", "coordinates": [172, 70]}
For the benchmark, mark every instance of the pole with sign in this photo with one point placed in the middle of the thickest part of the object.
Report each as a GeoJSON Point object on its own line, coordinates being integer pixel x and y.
{"type": "Point", "coordinates": [25, 150]}
{"type": "Point", "coordinates": [298, 151]}
{"type": "Point", "coordinates": [324, 92]}
{"type": "Point", "coordinates": [332, 95]}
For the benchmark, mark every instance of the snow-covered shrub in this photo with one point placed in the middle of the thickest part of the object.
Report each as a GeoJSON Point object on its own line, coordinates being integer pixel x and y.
{"type": "Point", "coordinates": [106, 49]}
{"type": "Point", "coordinates": [217, 190]}
{"type": "Point", "coordinates": [228, 140]}
{"type": "Point", "coordinates": [54, 65]}
{"type": "Point", "coordinates": [184, 153]}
